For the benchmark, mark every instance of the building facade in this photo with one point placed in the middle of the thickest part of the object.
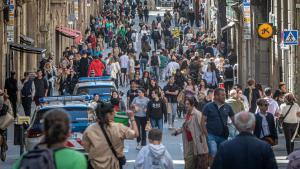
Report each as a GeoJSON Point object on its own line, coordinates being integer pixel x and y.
{"type": "Point", "coordinates": [37, 20]}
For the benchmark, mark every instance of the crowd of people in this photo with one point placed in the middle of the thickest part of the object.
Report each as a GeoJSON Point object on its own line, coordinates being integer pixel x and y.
{"type": "Point", "coordinates": [189, 76]}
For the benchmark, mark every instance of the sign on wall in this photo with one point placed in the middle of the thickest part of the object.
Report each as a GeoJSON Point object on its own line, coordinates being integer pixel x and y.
{"type": "Point", "coordinates": [290, 37]}
{"type": "Point", "coordinates": [265, 30]}
{"type": "Point", "coordinates": [247, 19]}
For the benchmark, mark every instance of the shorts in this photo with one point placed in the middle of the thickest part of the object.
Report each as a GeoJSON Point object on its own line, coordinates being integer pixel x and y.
{"type": "Point", "coordinates": [124, 70]}
{"type": "Point", "coordinates": [213, 142]}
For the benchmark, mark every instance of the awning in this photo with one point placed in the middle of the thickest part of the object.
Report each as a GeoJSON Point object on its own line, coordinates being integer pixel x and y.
{"type": "Point", "coordinates": [229, 25]}
{"type": "Point", "coordinates": [70, 33]}
{"type": "Point", "coordinates": [27, 49]}
{"type": "Point", "coordinates": [26, 40]}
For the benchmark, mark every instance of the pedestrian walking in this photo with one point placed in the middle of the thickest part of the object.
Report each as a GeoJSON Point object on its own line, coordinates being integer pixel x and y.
{"type": "Point", "coordinates": [97, 66]}
{"type": "Point", "coordinates": [194, 136]}
{"type": "Point", "coordinates": [84, 65]}
{"type": "Point", "coordinates": [252, 95]}
{"type": "Point", "coordinates": [27, 94]}
{"type": "Point", "coordinates": [155, 154]}
{"type": "Point", "coordinates": [140, 104]}
{"type": "Point", "coordinates": [171, 91]}
{"type": "Point", "coordinates": [124, 63]}
{"type": "Point", "coordinates": [104, 140]}
{"type": "Point", "coordinates": [265, 124]}
{"type": "Point", "coordinates": [11, 87]}
{"type": "Point", "coordinates": [289, 117]}
{"type": "Point", "coordinates": [245, 150]}
{"type": "Point", "coordinates": [57, 131]}
{"type": "Point", "coordinates": [216, 114]}
{"type": "Point", "coordinates": [40, 86]}
{"type": "Point", "coordinates": [156, 111]}
{"type": "Point", "coordinates": [154, 62]}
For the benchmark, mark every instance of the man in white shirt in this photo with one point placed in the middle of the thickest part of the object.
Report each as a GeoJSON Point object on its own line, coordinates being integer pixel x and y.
{"type": "Point", "coordinates": [273, 105]}
{"type": "Point", "coordinates": [124, 62]}
{"type": "Point", "coordinates": [172, 67]}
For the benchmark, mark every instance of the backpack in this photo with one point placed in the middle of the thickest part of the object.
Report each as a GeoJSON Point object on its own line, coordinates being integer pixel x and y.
{"type": "Point", "coordinates": [38, 158]}
{"type": "Point", "coordinates": [154, 60]}
{"type": "Point", "coordinates": [228, 72]}
{"type": "Point", "coordinates": [27, 88]}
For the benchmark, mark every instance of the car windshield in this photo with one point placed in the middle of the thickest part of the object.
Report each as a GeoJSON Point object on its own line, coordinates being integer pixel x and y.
{"type": "Point", "coordinates": [91, 90]}
{"type": "Point", "coordinates": [80, 118]}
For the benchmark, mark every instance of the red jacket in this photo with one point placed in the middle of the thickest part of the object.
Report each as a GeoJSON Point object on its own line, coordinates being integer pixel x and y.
{"type": "Point", "coordinates": [97, 66]}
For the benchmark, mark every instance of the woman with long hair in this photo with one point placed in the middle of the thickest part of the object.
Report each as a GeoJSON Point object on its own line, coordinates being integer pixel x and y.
{"type": "Point", "coordinates": [56, 133]}
{"type": "Point", "coordinates": [153, 86]}
{"type": "Point", "coordinates": [117, 102]}
{"type": "Point", "coordinates": [145, 80]}
{"type": "Point", "coordinates": [210, 75]}
{"type": "Point", "coordinates": [190, 89]}
{"type": "Point", "coordinates": [289, 113]}
{"type": "Point", "coordinates": [98, 136]}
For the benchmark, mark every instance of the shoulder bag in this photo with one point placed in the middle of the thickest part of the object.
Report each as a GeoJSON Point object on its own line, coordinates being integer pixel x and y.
{"type": "Point", "coordinates": [122, 160]}
{"type": "Point", "coordinates": [281, 118]}
{"type": "Point", "coordinates": [225, 127]}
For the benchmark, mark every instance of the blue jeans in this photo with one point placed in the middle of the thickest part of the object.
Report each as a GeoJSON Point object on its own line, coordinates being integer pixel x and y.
{"type": "Point", "coordinates": [155, 71]}
{"type": "Point", "coordinates": [157, 123]}
{"type": "Point", "coordinates": [143, 64]}
{"type": "Point", "coordinates": [172, 114]}
{"type": "Point", "coordinates": [213, 142]}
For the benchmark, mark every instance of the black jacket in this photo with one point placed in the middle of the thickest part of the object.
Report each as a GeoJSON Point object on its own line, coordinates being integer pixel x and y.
{"type": "Point", "coordinates": [244, 152]}
{"type": "Point", "coordinates": [83, 67]}
{"type": "Point", "coordinates": [271, 123]}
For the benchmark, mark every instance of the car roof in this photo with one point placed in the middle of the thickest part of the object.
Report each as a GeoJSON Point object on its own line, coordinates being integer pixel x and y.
{"type": "Point", "coordinates": [96, 83]}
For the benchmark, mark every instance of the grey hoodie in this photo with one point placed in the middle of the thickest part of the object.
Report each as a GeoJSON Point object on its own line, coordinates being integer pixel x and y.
{"type": "Point", "coordinates": [154, 157]}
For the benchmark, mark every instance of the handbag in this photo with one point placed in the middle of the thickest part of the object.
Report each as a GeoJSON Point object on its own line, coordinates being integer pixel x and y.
{"type": "Point", "coordinates": [225, 127]}
{"type": "Point", "coordinates": [122, 160]}
{"type": "Point", "coordinates": [281, 118]}
{"type": "Point", "coordinates": [148, 126]}
{"type": "Point", "coordinates": [6, 120]}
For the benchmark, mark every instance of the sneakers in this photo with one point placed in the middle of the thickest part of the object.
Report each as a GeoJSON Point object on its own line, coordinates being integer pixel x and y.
{"type": "Point", "coordinates": [170, 127]}
{"type": "Point", "coordinates": [139, 146]}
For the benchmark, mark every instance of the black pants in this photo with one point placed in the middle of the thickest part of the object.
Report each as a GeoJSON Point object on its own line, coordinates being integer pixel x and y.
{"type": "Point", "coordinates": [289, 130]}
{"type": "Point", "coordinates": [13, 101]}
{"type": "Point", "coordinates": [26, 103]}
{"type": "Point", "coordinates": [141, 124]}
{"type": "Point", "coordinates": [228, 85]}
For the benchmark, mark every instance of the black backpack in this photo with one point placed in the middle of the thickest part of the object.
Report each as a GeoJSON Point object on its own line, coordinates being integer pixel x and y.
{"type": "Point", "coordinates": [228, 72]}
{"type": "Point", "coordinates": [38, 158]}
{"type": "Point", "coordinates": [27, 88]}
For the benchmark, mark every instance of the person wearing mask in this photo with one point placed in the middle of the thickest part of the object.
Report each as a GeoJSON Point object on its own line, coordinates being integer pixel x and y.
{"type": "Point", "coordinates": [26, 93]}
{"type": "Point", "coordinates": [171, 91]}
{"type": "Point", "coordinates": [83, 65]}
{"type": "Point", "coordinates": [97, 66]}
{"type": "Point", "coordinates": [140, 104]}
{"type": "Point", "coordinates": [232, 154]}
{"type": "Point", "coordinates": [104, 140]}
{"type": "Point", "coordinates": [289, 115]}
{"type": "Point", "coordinates": [265, 125]}
{"type": "Point", "coordinates": [155, 154]}
{"type": "Point", "coordinates": [156, 110]}
{"type": "Point", "coordinates": [41, 87]}
{"type": "Point", "coordinates": [57, 131]}
{"type": "Point", "coordinates": [117, 102]}
{"type": "Point", "coordinates": [194, 138]}
{"type": "Point", "coordinates": [11, 87]}
{"type": "Point", "coordinates": [216, 114]}
{"type": "Point", "coordinates": [252, 95]}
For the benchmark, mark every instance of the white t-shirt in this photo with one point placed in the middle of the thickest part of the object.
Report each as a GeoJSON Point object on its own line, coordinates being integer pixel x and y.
{"type": "Point", "coordinates": [292, 116]}
{"type": "Point", "coordinates": [172, 67]}
{"type": "Point", "coordinates": [124, 60]}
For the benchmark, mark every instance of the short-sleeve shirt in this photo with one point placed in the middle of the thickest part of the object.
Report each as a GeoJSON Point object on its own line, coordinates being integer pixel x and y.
{"type": "Point", "coordinates": [66, 158]}
{"type": "Point", "coordinates": [214, 125]}
{"type": "Point", "coordinates": [171, 88]}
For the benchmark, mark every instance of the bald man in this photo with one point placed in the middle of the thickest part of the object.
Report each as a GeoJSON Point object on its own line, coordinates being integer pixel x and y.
{"type": "Point", "coordinates": [245, 151]}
